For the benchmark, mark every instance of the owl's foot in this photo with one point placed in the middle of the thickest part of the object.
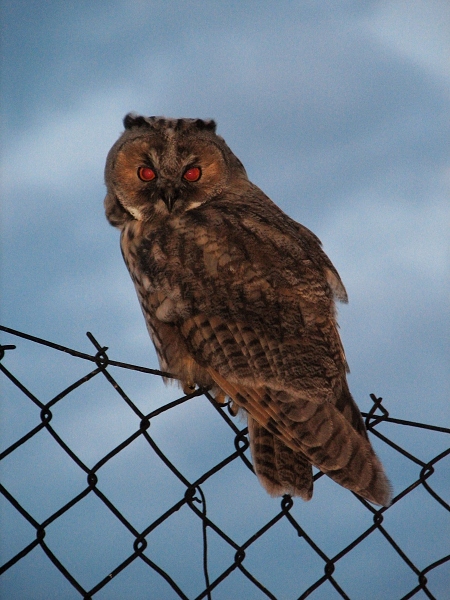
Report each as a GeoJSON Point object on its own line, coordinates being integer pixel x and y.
{"type": "Point", "coordinates": [188, 387]}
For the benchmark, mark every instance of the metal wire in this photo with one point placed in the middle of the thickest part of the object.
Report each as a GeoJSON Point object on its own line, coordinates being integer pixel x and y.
{"type": "Point", "coordinates": [195, 498]}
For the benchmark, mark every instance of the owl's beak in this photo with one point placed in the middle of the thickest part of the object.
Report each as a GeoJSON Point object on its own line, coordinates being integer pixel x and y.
{"type": "Point", "coordinates": [169, 199]}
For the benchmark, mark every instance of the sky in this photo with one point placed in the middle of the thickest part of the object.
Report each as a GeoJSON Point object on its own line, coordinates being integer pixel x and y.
{"type": "Point", "coordinates": [340, 112]}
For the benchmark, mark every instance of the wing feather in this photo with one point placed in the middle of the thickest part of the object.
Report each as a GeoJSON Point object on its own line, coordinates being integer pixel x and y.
{"type": "Point", "coordinates": [252, 300]}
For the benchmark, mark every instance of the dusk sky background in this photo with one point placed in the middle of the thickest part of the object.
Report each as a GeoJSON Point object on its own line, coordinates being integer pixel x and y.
{"type": "Point", "coordinates": [340, 112]}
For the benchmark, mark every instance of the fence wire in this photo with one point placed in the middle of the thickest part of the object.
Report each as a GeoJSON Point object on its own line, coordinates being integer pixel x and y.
{"type": "Point", "coordinates": [423, 578]}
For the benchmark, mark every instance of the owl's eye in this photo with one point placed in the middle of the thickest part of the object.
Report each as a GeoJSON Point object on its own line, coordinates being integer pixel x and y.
{"type": "Point", "coordinates": [192, 174]}
{"type": "Point", "coordinates": [146, 174]}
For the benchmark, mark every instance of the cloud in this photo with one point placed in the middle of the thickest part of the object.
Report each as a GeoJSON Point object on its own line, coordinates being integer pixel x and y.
{"type": "Point", "coordinates": [339, 113]}
{"type": "Point", "coordinates": [417, 31]}
{"type": "Point", "coordinates": [62, 147]}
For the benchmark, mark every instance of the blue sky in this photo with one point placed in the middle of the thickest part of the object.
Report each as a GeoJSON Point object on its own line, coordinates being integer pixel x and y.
{"type": "Point", "coordinates": [339, 112]}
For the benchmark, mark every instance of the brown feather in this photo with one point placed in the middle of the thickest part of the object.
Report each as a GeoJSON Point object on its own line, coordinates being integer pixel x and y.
{"type": "Point", "coordinates": [239, 297]}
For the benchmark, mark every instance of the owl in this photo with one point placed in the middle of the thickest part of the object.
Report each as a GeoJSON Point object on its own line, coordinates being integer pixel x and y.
{"type": "Point", "coordinates": [239, 298]}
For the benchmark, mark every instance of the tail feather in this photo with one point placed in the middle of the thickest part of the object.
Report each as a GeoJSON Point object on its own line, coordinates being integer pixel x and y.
{"type": "Point", "coordinates": [289, 433]}
{"type": "Point", "coordinates": [279, 469]}
{"type": "Point", "coordinates": [336, 445]}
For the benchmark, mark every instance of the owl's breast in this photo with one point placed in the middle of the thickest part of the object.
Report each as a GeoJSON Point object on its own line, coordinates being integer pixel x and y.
{"type": "Point", "coordinates": [130, 244]}
{"type": "Point", "coordinates": [153, 260]}
{"type": "Point", "coordinates": [155, 263]}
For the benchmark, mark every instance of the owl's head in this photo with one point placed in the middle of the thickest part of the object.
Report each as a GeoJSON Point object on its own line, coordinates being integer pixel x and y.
{"type": "Point", "coordinates": [162, 166]}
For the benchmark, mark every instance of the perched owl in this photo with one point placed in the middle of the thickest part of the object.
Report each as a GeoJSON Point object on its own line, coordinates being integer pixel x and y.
{"type": "Point", "coordinates": [239, 298]}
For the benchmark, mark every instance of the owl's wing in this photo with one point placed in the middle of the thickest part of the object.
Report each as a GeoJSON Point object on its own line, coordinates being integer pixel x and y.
{"type": "Point", "coordinates": [253, 302]}
{"type": "Point", "coordinates": [327, 433]}
{"type": "Point", "coordinates": [265, 288]}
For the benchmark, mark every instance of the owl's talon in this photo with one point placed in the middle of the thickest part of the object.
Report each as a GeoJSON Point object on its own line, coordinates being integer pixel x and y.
{"type": "Point", "coordinates": [233, 408]}
{"type": "Point", "coordinates": [188, 387]}
{"type": "Point", "coordinates": [220, 398]}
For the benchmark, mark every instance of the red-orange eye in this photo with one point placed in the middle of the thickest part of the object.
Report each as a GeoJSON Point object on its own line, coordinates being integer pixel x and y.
{"type": "Point", "coordinates": [146, 174]}
{"type": "Point", "coordinates": [192, 174]}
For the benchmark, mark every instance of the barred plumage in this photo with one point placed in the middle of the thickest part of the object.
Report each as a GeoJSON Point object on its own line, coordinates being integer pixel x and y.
{"type": "Point", "coordinates": [239, 297]}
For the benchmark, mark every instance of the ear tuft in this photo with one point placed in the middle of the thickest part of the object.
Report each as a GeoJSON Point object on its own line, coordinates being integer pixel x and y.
{"type": "Point", "coordinates": [209, 124]}
{"type": "Point", "coordinates": [132, 120]}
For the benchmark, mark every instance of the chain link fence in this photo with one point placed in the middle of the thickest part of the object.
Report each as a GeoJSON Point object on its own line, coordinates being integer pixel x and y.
{"type": "Point", "coordinates": [104, 498]}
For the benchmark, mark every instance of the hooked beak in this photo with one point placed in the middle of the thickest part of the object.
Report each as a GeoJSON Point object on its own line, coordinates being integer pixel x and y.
{"type": "Point", "coordinates": [169, 198]}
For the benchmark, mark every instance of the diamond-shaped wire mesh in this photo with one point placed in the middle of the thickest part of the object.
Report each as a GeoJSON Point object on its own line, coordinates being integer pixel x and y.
{"type": "Point", "coordinates": [102, 497]}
